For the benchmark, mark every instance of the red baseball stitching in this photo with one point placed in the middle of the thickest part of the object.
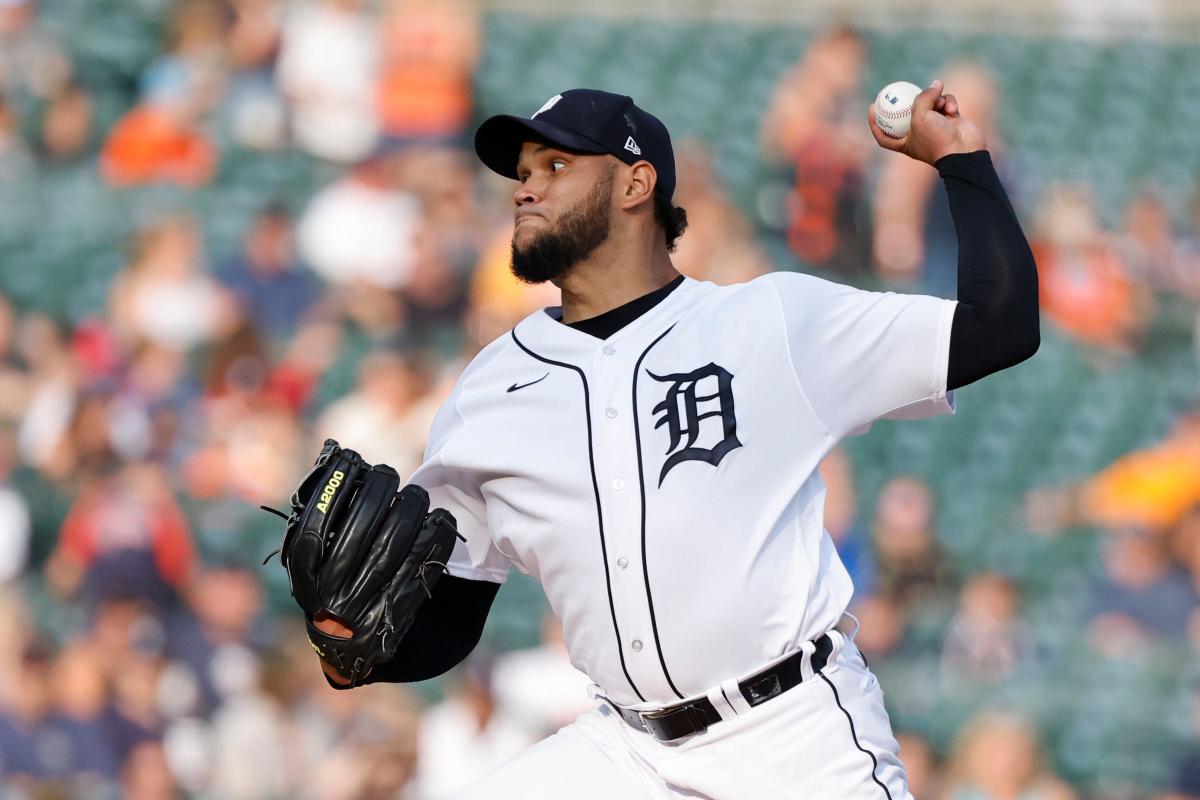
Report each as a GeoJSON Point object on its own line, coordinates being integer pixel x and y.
{"type": "Point", "coordinates": [891, 114]}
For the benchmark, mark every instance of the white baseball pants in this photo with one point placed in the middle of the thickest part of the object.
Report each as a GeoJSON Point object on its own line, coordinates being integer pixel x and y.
{"type": "Point", "coordinates": [828, 738]}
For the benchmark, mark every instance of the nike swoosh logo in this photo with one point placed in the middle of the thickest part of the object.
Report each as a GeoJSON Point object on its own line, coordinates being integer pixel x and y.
{"type": "Point", "coordinates": [516, 386]}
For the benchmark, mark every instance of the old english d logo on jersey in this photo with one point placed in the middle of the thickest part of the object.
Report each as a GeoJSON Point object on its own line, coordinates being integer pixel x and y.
{"type": "Point", "coordinates": [684, 411]}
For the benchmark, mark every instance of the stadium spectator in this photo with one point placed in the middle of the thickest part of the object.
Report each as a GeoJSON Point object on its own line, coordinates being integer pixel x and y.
{"type": "Point", "coordinates": [466, 736]}
{"type": "Point", "coordinates": [15, 16]}
{"type": "Point", "coordinates": [998, 757]}
{"type": "Point", "coordinates": [910, 566]}
{"type": "Point", "coordinates": [155, 391]}
{"type": "Point", "coordinates": [190, 73]}
{"type": "Point", "coordinates": [67, 126]}
{"type": "Point", "coordinates": [354, 747]}
{"type": "Point", "coordinates": [314, 349]}
{"type": "Point", "coordinates": [139, 697]}
{"type": "Point", "coordinates": [164, 295]}
{"type": "Point", "coordinates": [1147, 244]}
{"type": "Point", "coordinates": [447, 244]}
{"type": "Point", "coordinates": [987, 641]}
{"type": "Point", "coordinates": [218, 630]}
{"type": "Point", "coordinates": [1151, 488]}
{"type": "Point", "coordinates": [157, 143]}
{"type": "Point", "coordinates": [253, 40]}
{"type": "Point", "coordinates": [1085, 288]}
{"type": "Point", "coordinates": [882, 624]}
{"type": "Point", "coordinates": [249, 451]}
{"type": "Point", "coordinates": [273, 293]}
{"type": "Point", "coordinates": [327, 67]}
{"type": "Point", "coordinates": [236, 367]}
{"type": "Point", "coordinates": [250, 734]}
{"type": "Point", "coordinates": [362, 229]}
{"type": "Point", "coordinates": [910, 573]}
{"type": "Point", "coordinates": [719, 244]}
{"type": "Point", "coordinates": [435, 298]}
{"type": "Point", "coordinates": [498, 300]}
{"type": "Point", "coordinates": [256, 113]}
{"type": "Point", "coordinates": [79, 438]}
{"type": "Point", "coordinates": [33, 62]}
{"type": "Point", "coordinates": [841, 519]}
{"type": "Point", "coordinates": [814, 124]}
{"type": "Point", "coordinates": [32, 745]}
{"type": "Point", "coordinates": [163, 138]}
{"type": "Point", "coordinates": [389, 411]}
{"type": "Point", "coordinates": [124, 532]}
{"type": "Point", "coordinates": [52, 734]}
{"type": "Point", "coordinates": [80, 693]}
{"type": "Point", "coordinates": [538, 689]}
{"type": "Point", "coordinates": [429, 51]}
{"type": "Point", "coordinates": [920, 766]}
{"type": "Point", "coordinates": [913, 235]}
{"type": "Point", "coordinates": [1142, 595]}
{"type": "Point", "coordinates": [147, 775]}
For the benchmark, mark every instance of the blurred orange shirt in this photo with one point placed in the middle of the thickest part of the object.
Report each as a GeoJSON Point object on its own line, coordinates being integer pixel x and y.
{"type": "Point", "coordinates": [147, 145]}
{"type": "Point", "coordinates": [498, 299]}
{"type": "Point", "coordinates": [1086, 293]}
{"type": "Point", "coordinates": [422, 100]}
{"type": "Point", "coordinates": [425, 86]}
{"type": "Point", "coordinates": [1149, 489]}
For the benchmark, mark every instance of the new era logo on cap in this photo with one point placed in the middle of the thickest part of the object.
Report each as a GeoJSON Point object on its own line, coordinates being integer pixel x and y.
{"type": "Point", "coordinates": [632, 146]}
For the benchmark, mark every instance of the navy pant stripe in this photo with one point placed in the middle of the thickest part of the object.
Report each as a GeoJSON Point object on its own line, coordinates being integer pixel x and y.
{"type": "Point", "coordinates": [854, 735]}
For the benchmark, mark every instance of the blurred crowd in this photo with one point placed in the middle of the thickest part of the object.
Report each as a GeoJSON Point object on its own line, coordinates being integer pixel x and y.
{"type": "Point", "coordinates": [147, 651]}
{"type": "Point", "coordinates": [854, 215]}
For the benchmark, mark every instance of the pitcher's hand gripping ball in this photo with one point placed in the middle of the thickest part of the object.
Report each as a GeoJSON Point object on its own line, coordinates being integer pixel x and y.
{"type": "Point", "coordinates": [893, 108]}
{"type": "Point", "coordinates": [362, 550]}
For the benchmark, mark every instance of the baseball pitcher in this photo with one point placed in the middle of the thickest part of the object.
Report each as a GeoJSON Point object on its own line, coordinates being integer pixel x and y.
{"type": "Point", "coordinates": [648, 450]}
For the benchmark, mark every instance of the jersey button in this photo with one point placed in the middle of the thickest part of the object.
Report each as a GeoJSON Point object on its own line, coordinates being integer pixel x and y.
{"type": "Point", "coordinates": [622, 562]}
{"type": "Point", "coordinates": [609, 350]}
{"type": "Point", "coordinates": [618, 484]}
{"type": "Point", "coordinates": [636, 644]}
{"type": "Point", "coordinates": [610, 412]}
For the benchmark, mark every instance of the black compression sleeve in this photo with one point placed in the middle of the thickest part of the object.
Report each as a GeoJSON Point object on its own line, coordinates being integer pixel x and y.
{"type": "Point", "coordinates": [446, 629]}
{"type": "Point", "coordinates": [996, 320]}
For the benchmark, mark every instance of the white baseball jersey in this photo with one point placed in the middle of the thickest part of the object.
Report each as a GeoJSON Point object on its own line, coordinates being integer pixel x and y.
{"type": "Point", "coordinates": [662, 483]}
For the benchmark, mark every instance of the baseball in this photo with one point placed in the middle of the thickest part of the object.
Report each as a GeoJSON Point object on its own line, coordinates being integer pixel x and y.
{"type": "Point", "coordinates": [893, 108]}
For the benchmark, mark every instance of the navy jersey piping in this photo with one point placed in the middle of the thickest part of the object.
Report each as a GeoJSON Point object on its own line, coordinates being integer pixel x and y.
{"type": "Point", "coordinates": [587, 416]}
{"type": "Point", "coordinates": [637, 440]}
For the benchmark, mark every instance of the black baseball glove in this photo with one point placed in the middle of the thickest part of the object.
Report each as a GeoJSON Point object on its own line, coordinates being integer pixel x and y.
{"type": "Point", "coordinates": [362, 550]}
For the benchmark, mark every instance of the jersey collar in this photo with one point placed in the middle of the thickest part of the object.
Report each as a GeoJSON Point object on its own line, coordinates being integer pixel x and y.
{"type": "Point", "coordinates": [543, 332]}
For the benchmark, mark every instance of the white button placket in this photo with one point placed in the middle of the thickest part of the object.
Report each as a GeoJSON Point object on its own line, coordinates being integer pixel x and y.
{"type": "Point", "coordinates": [616, 477]}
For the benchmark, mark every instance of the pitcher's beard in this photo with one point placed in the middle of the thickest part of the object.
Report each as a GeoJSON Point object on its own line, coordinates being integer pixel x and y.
{"type": "Point", "coordinates": [580, 231]}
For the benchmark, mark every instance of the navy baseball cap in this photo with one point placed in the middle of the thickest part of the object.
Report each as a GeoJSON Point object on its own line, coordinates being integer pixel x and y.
{"type": "Point", "coordinates": [581, 121]}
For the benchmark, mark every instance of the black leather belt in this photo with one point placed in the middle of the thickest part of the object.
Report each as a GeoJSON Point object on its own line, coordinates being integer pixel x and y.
{"type": "Point", "coordinates": [683, 719]}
